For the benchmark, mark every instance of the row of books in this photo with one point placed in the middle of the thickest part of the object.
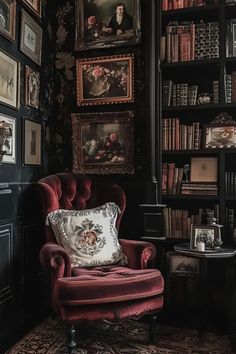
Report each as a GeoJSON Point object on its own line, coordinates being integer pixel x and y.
{"type": "Point", "coordinates": [172, 177]}
{"type": "Point", "coordinates": [181, 4]}
{"type": "Point", "coordinates": [185, 41]}
{"type": "Point", "coordinates": [176, 136]}
{"type": "Point", "coordinates": [230, 183]}
{"type": "Point", "coordinates": [177, 222]}
{"type": "Point", "coordinates": [184, 94]}
{"type": "Point", "coordinates": [173, 183]}
{"type": "Point", "coordinates": [230, 87]}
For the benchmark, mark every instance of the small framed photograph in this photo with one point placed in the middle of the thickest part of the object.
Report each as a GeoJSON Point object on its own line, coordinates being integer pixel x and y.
{"type": "Point", "coordinates": [105, 80]}
{"type": "Point", "coordinates": [182, 265]}
{"type": "Point", "coordinates": [107, 23]}
{"type": "Point", "coordinates": [207, 234]}
{"type": "Point", "coordinates": [31, 142]}
{"type": "Point", "coordinates": [34, 5]}
{"type": "Point", "coordinates": [9, 145]}
{"type": "Point", "coordinates": [204, 169]}
{"type": "Point", "coordinates": [103, 143]}
{"type": "Point", "coordinates": [32, 86]}
{"type": "Point", "coordinates": [10, 80]}
{"type": "Point", "coordinates": [8, 18]}
{"type": "Point", "coordinates": [220, 136]}
{"type": "Point", "coordinates": [31, 38]}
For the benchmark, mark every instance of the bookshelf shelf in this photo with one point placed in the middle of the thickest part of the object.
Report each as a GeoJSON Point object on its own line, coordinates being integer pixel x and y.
{"type": "Point", "coordinates": [190, 10]}
{"type": "Point", "coordinates": [191, 197]}
{"type": "Point", "coordinates": [189, 68]}
{"type": "Point", "coordinates": [200, 107]}
{"type": "Point", "coordinates": [199, 152]}
{"type": "Point", "coordinates": [191, 63]}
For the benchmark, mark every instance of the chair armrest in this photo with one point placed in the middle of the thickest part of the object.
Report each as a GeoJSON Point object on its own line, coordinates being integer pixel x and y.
{"type": "Point", "coordinates": [55, 258]}
{"type": "Point", "coordinates": [141, 254]}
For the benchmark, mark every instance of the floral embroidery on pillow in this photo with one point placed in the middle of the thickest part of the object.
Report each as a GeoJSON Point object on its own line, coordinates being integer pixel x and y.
{"type": "Point", "coordinates": [89, 236]}
{"type": "Point", "coordinates": [91, 239]}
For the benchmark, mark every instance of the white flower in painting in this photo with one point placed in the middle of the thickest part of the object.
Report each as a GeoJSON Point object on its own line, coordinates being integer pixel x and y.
{"type": "Point", "coordinates": [65, 60]}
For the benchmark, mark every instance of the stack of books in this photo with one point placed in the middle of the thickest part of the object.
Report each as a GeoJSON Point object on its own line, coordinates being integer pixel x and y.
{"type": "Point", "coordinates": [199, 188]}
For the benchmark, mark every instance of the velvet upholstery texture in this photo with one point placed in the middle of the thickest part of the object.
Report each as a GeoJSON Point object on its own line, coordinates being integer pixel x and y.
{"type": "Point", "coordinates": [105, 292]}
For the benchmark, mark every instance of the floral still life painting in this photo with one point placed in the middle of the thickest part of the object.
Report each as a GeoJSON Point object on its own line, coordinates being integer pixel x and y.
{"type": "Point", "coordinates": [107, 23]}
{"type": "Point", "coordinates": [104, 80]}
{"type": "Point", "coordinates": [103, 142]}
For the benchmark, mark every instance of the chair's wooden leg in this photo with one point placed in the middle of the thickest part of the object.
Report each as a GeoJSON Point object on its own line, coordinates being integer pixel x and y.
{"type": "Point", "coordinates": [152, 324]}
{"type": "Point", "coordinates": [71, 343]}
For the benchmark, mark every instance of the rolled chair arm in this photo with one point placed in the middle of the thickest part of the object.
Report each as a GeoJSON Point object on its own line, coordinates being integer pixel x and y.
{"type": "Point", "coordinates": [141, 254]}
{"type": "Point", "coordinates": [55, 258]}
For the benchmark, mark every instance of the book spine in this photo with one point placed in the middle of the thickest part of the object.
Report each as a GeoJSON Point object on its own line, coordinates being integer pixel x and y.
{"type": "Point", "coordinates": [164, 5]}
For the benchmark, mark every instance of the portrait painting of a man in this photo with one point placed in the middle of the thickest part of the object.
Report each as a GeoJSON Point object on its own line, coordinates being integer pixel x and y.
{"type": "Point", "coordinates": [107, 22]}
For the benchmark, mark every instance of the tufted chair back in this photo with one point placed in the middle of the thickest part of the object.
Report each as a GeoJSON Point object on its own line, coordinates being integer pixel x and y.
{"type": "Point", "coordinates": [74, 191]}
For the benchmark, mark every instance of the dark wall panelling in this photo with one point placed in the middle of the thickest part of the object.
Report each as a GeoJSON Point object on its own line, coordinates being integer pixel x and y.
{"type": "Point", "coordinates": [6, 263]}
{"type": "Point", "coordinates": [20, 245]}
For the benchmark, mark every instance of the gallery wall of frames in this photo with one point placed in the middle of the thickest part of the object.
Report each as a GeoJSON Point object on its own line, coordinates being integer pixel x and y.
{"type": "Point", "coordinates": [22, 28]}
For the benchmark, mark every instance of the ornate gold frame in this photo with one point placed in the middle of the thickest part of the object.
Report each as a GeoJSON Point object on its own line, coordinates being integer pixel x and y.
{"type": "Point", "coordinates": [105, 80]}
{"type": "Point", "coordinates": [93, 134]}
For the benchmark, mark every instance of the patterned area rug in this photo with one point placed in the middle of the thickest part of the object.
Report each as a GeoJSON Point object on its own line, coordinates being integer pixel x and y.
{"type": "Point", "coordinates": [128, 337]}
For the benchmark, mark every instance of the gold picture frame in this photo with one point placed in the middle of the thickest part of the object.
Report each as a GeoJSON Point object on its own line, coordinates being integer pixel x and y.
{"type": "Point", "coordinates": [34, 5]}
{"type": "Point", "coordinates": [103, 143]}
{"type": "Point", "coordinates": [105, 80]}
{"type": "Point", "coordinates": [10, 80]}
{"type": "Point", "coordinates": [96, 25]}
{"type": "Point", "coordinates": [8, 18]}
{"type": "Point", "coordinates": [32, 87]}
{"type": "Point", "coordinates": [31, 38]}
{"type": "Point", "coordinates": [31, 142]}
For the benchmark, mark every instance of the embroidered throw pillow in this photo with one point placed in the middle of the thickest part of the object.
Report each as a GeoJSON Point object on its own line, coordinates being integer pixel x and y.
{"type": "Point", "coordinates": [89, 236]}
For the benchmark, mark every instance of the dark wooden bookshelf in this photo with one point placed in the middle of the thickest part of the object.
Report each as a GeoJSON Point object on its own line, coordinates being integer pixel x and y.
{"type": "Point", "coordinates": [201, 72]}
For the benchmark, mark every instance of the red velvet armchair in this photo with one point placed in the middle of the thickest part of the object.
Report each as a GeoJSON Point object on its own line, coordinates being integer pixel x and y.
{"type": "Point", "coordinates": [111, 292]}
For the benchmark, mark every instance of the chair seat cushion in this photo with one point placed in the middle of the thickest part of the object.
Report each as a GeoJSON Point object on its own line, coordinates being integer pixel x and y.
{"type": "Point", "coordinates": [108, 284]}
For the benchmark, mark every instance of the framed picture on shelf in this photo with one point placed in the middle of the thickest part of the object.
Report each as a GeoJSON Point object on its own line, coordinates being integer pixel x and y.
{"type": "Point", "coordinates": [207, 234]}
{"type": "Point", "coordinates": [10, 143]}
{"type": "Point", "coordinates": [182, 265]}
{"type": "Point", "coordinates": [31, 38]}
{"type": "Point", "coordinates": [105, 80]}
{"type": "Point", "coordinates": [10, 80]}
{"type": "Point", "coordinates": [103, 143]}
{"type": "Point", "coordinates": [97, 25]}
{"type": "Point", "coordinates": [34, 5]}
{"type": "Point", "coordinates": [220, 136]}
{"type": "Point", "coordinates": [31, 142]}
{"type": "Point", "coordinates": [8, 18]}
{"type": "Point", "coordinates": [32, 85]}
{"type": "Point", "coordinates": [204, 169]}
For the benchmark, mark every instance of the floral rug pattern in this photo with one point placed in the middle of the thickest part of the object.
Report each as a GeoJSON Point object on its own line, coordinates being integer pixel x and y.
{"type": "Point", "coordinates": [128, 337]}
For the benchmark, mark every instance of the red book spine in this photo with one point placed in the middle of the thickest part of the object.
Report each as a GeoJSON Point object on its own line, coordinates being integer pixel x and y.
{"type": "Point", "coordinates": [185, 46]}
{"type": "Point", "coordinates": [164, 5]}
